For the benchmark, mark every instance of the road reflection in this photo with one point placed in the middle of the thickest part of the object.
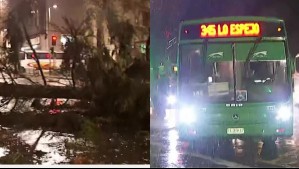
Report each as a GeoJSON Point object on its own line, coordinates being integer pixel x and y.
{"type": "Point", "coordinates": [170, 118]}
{"type": "Point", "coordinates": [173, 154]}
{"type": "Point", "coordinates": [177, 152]}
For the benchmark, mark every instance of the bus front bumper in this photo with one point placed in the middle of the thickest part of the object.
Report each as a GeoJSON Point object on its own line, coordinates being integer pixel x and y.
{"type": "Point", "coordinates": [235, 131]}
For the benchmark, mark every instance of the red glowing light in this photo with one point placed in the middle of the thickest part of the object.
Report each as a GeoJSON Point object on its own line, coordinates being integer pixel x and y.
{"type": "Point", "coordinates": [54, 37]}
{"type": "Point", "coordinates": [280, 130]}
{"type": "Point", "coordinates": [48, 55]}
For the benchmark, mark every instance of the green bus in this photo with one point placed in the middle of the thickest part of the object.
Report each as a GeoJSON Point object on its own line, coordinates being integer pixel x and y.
{"type": "Point", "coordinates": [234, 78]}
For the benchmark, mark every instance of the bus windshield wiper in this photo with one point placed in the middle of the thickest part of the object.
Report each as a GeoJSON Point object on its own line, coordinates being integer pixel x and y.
{"type": "Point", "coordinates": [250, 54]}
{"type": "Point", "coordinates": [205, 57]}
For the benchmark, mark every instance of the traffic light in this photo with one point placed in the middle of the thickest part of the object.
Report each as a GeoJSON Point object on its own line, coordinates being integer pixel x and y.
{"type": "Point", "coordinates": [54, 39]}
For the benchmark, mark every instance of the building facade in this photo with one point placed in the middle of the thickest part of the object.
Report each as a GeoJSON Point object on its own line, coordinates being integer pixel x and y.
{"type": "Point", "coordinates": [47, 13]}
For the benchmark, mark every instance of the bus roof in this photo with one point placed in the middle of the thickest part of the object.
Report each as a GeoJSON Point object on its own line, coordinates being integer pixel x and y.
{"type": "Point", "coordinates": [232, 18]}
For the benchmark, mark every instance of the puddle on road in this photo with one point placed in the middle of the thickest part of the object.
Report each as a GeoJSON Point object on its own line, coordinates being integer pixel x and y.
{"type": "Point", "coordinates": [57, 148]}
{"type": "Point", "coordinates": [3, 152]}
{"type": "Point", "coordinates": [288, 148]}
{"type": "Point", "coordinates": [52, 144]}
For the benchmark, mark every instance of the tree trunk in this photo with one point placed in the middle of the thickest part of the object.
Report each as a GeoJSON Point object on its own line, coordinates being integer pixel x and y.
{"type": "Point", "coordinates": [31, 91]}
{"type": "Point", "coordinates": [147, 53]}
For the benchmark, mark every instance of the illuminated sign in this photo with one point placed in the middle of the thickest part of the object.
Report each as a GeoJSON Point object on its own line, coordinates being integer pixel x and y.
{"type": "Point", "coordinates": [230, 30]}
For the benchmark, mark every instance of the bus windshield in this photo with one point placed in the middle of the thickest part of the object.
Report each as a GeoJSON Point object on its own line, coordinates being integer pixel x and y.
{"type": "Point", "coordinates": [265, 81]}
{"type": "Point", "coordinates": [208, 81]}
{"type": "Point", "coordinates": [226, 80]}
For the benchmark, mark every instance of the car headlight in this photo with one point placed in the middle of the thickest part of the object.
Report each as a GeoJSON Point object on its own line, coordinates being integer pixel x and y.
{"type": "Point", "coordinates": [171, 99]}
{"type": "Point", "coordinates": [284, 113]}
{"type": "Point", "coordinates": [187, 115]}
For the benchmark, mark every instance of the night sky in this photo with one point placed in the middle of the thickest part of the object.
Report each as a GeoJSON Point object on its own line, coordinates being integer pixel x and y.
{"type": "Point", "coordinates": [167, 14]}
{"type": "Point", "coordinates": [72, 9]}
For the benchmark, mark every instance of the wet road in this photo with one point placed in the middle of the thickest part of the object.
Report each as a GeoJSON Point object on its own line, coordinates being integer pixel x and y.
{"type": "Point", "coordinates": [167, 150]}
{"type": "Point", "coordinates": [61, 148]}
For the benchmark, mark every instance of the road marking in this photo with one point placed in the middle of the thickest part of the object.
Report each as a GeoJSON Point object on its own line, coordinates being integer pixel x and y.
{"type": "Point", "coordinates": [218, 161]}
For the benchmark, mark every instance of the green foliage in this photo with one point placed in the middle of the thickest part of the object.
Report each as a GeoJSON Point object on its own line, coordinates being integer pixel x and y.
{"type": "Point", "coordinates": [122, 40]}
{"type": "Point", "coordinates": [17, 150]}
{"type": "Point", "coordinates": [91, 132]}
{"type": "Point", "coordinates": [16, 158]}
{"type": "Point", "coordinates": [77, 48]}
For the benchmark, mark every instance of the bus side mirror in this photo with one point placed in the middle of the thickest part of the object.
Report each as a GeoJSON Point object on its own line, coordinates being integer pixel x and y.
{"type": "Point", "coordinates": [297, 64]}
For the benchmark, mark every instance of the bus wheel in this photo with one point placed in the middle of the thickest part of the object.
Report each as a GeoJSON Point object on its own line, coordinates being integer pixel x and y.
{"type": "Point", "coordinates": [196, 145]}
{"type": "Point", "coordinates": [206, 146]}
{"type": "Point", "coordinates": [251, 147]}
{"type": "Point", "coordinates": [269, 149]}
{"type": "Point", "coordinates": [213, 146]}
{"type": "Point", "coordinates": [182, 135]}
{"type": "Point", "coordinates": [226, 149]}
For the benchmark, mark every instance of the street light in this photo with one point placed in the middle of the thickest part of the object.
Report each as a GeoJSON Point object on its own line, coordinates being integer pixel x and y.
{"type": "Point", "coordinates": [49, 10]}
{"type": "Point", "coordinates": [48, 23]}
{"type": "Point", "coordinates": [3, 6]}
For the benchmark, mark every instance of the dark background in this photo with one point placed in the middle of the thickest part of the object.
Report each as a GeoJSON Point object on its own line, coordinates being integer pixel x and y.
{"type": "Point", "coordinates": [167, 14]}
{"type": "Point", "coordinates": [72, 9]}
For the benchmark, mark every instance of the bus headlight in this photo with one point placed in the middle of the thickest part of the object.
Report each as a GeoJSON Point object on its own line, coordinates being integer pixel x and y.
{"type": "Point", "coordinates": [284, 113]}
{"type": "Point", "coordinates": [187, 115]}
{"type": "Point", "coordinates": [171, 99]}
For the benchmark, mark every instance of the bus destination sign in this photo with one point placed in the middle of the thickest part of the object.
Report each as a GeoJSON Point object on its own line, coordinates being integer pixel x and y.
{"type": "Point", "coordinates": [245, 29]}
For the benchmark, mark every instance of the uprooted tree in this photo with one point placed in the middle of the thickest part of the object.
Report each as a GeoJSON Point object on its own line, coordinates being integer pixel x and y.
{"type": "Point", "coordinates": [96, 77]}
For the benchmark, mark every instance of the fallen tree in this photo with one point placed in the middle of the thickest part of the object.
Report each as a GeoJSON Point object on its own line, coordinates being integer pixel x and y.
{"type": "Point", "coordinates": [111, 88]}
{"type": "Point", "coordinates": [39, 91]}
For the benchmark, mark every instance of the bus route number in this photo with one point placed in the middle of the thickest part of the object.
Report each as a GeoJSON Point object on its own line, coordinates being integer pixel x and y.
{"type": "Point", "coordinates": [229, 30]}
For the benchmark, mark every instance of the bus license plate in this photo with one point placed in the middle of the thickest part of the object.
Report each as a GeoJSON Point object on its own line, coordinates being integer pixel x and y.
{"type": "Point", "coordinates": [235, 131]}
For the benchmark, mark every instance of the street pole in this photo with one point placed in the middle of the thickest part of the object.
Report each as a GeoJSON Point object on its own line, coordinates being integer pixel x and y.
{"type": "Point", "coordinates": [48, 34]}
{"type": "Point", "coordinates": [48, 46]}
{"type": "Point", "coordinates": [48, 19]}
{"type": "Point", "coordinates": [1, 18]}
{"type": "Point", "coordinates": [49, 16]}
{"type": "Point", "coordinates": [47, 30]}
{"type": "Point", "coordinates": [51, 56]}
